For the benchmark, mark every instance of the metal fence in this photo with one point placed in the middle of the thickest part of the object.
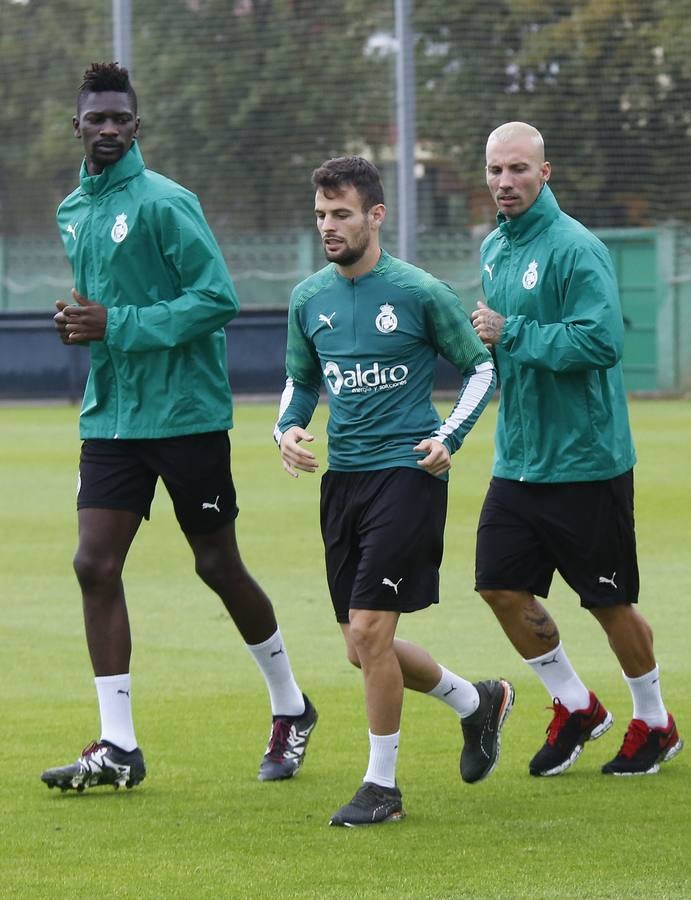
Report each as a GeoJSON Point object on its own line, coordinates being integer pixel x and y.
{"type": "Point", "coordinates": [241, 99]}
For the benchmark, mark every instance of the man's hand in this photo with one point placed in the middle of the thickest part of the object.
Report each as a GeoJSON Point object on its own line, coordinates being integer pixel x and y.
{"type": "Point", "coordinates": [437, 459]}
{"type": "Point", "coordinates": [85, 321]}
{"type": "Point", "coordinates": [293, 456]}
{"type": "Point", "coordinates": [487, 323]}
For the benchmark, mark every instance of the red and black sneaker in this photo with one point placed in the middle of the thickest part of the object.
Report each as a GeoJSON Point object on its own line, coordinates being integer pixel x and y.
{"type": "Point", "coordinates": [566, 735]}
{"type": "Point", "coordinates": [288, 739]}
{"type": "Point", "coordinates": [644, 748]}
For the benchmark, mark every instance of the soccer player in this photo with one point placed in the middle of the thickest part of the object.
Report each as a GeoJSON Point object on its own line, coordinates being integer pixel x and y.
{"type": "Point", "coordinates": [561, 496]}
{"type": "Point", "coordinates": [157, 404]}
{"type": "Point", "coordinates": [370, 328]}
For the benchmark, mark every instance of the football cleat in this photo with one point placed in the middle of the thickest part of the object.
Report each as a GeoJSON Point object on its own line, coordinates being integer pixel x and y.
{"type": "Point", "coordinates": [371, 805]}
{"type": "Point", "coordinates": [100, 763]}
{"type": "Point", "coordinates": [482, 730]}
{"type": "Point", "coordinates": [288, 739]}
{"type": "Point", "coordinates": [644, 748]}
{"type": "Point", "coordinates": [566, 735]}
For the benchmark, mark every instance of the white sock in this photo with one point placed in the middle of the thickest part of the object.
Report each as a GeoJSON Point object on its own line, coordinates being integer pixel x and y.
{"type": "Point", "coordinates": [115, 706]}
{"type": "Point", "coordinates": [647, 699]}
{"type": "Point", "coordinates": [272, 658]}
{"type": "Point", "coordinates": [383, 753]}
{"type": "Point", "coordinates": [557, 674]}
{"type": "Point", "coordinates": [456, 692]}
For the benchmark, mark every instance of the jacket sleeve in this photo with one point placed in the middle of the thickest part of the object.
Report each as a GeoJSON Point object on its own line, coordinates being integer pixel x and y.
{"type": "Point", "coordinates": [590, 334]}
{"type": "Point", "coordinates": [206, 298]}
{"type": "Point", "coordinates": [454, 338]}
{"type": "Point", "coordinates": [301, 393]}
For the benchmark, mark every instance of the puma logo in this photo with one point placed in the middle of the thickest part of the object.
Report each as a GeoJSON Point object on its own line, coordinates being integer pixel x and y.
{"type": "Point", "coordinates": [391, 584]}
{"type": "Point", "coordinates": [213, 505]}
{"type": "Point", "coordinates": [72, 229]}
{"type": "Point", "coordinates": [450, 691]}
{"type": "Point", "coordinates": [126, 693]}
{"type": "Point", "coordinates": [327, 319]}
{"type": "Point", "coordinates": [603, 580]}
{"type": "Point", "coordinates": [489, 270]}
{"type": "Point", "coordinates": [276, 652]}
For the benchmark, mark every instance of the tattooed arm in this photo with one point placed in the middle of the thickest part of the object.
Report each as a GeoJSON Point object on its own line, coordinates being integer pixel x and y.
{"type": "Point", "coordinates": [487, 323]}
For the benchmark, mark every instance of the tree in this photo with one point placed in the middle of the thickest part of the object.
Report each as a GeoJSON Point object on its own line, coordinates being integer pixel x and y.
{"type": "Point", "coordinates": [603, 80]}
{"type": "Point", "coordinates": [282, 85]}
{"type": "Point", "coordinates": [241, 99]}
{"type": "Point", "coordinates": [37, 95]}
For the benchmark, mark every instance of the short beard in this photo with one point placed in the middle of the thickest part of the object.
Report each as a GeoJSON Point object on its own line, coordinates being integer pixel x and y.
{"type": "Point", "coordinates": [348, 256]}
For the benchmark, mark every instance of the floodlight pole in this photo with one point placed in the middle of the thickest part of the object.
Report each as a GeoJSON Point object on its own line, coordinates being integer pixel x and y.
{"type": "Point", "coordinates": [405, 114]}
{"type": "Point", "coordinates": [122, 33]}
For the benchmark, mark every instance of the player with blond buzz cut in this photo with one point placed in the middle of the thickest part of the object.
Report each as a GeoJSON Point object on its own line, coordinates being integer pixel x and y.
{"type": "Point", "coordinates": [561, 495]}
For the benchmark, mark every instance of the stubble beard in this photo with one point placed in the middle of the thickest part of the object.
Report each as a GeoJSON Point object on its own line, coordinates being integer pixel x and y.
{"type": "Point", "coordinates": [350, 254]}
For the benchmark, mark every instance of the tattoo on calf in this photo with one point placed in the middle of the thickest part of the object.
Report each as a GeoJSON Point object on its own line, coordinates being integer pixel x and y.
{"type": "Point", "coordinates": [542, 625]}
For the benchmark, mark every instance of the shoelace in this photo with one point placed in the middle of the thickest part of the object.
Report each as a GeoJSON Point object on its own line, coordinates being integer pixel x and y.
{"type": "Point", "coordinates": [635, 737]}
{"type": "Point", "coordinates": [559, 719]}
{"type": "Point", "coordinates": [279, 738]}
{"type": "Point", "coordinates": [91, 748]}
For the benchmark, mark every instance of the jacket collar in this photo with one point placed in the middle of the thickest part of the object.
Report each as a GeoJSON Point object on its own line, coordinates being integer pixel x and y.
{"type": "Point", "coordinates": [535, 219]}
{"type": "Point", "coordinates": [382, 265]}
{"type": "Point", "coordinates": [112, 177]}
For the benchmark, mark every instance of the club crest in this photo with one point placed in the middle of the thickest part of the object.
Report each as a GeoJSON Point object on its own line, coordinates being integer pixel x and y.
{"type": "Point", "coordinates": [119, 231]}
{"type": "Point", "coordinates": [386, 321]}
{"type": "Point", "coordinates": [530, 276]}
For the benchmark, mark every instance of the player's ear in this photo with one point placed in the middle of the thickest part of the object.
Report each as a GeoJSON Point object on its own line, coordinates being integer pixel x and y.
{"type": "Point", "coordinates": [377, 214]}
{"type": "Point", "coordinates": [545, 171]}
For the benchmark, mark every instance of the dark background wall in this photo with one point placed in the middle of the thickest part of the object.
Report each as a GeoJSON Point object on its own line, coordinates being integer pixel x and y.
{"type": "Point", "coordinates": [34, 364]}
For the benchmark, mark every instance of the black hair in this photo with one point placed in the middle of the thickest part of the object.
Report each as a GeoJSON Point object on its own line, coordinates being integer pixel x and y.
{"type": "Point", "coordinates": [101, 77]}
{"type": "Point", "coordinates": [344, 171]}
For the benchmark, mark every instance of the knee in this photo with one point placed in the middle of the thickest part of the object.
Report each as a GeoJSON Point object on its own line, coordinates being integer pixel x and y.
{"type": "Point", "coordinates": [224, 574]}
{"type": "Point", "coordinates": [360, 638]}
{"type": "Point", "coordinates": [352, 657]}
{"type": "Point", "coordinates": [498, 601]}
{"type": "Point", "coordinates": [96, 570]}
{"type": "Point", "coordinates": [624, 619]}
{"type": "Point", "coordinates": [367, 640]}
{"type": "Point", "coordinates": [213, 570]}
{"type": "Point", "coordinates": [207, 568]}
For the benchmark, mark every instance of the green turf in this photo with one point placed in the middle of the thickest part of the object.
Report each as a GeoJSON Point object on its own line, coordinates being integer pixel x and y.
{"type": "Point", "coordinates": [201, 825]}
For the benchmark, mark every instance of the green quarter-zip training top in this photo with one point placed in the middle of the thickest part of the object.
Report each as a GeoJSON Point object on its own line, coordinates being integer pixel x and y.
{"type": "Point", "coordinates": [373, 341]}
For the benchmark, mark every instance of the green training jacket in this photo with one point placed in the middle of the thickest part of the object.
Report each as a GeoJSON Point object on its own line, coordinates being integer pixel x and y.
{"type": "Point", "coordinates": [562, 411]}
{"type": "Point", "coordinates": [373, 342]}
{"type": "Point", "coordinates": [139, 244]}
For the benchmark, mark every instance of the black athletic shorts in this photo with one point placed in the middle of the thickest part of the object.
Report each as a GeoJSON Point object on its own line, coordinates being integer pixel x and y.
{"type": "Point", "coordinates": [122, 474]}
{"type": "Point", "coordinates": [582, 529]}
{"type": "Point", "coordinates": [383, 537]}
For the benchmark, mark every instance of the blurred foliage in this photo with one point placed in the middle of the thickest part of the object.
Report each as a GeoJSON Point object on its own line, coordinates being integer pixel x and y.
{"type": "Point", "coordinates": [607, 82]}
{"type": "Point", "coordinates": [241, 99]}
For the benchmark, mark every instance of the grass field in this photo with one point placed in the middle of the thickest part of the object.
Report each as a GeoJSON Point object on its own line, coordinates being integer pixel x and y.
{"type": "Point", "coordinates": [201, 825]}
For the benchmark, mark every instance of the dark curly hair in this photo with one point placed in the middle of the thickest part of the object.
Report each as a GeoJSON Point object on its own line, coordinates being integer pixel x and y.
{"type": "Point", "coordinates": [101, 77]}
